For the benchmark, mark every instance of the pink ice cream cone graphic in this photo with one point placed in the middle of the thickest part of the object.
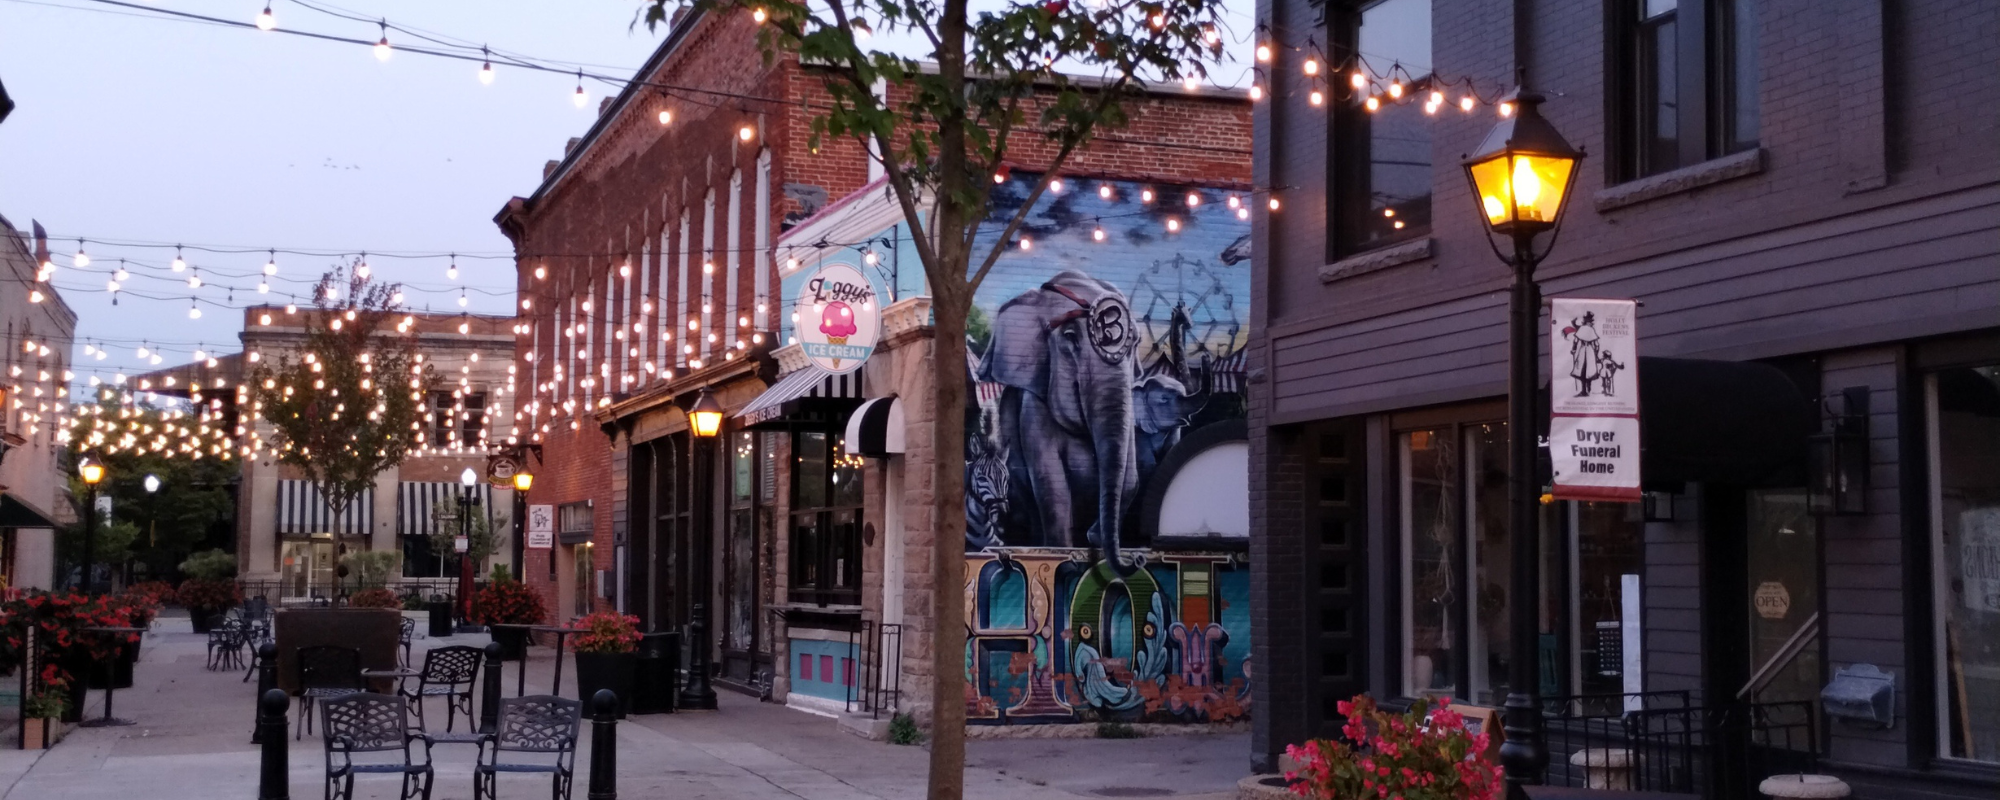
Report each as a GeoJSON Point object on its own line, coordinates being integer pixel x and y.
{"type": "Point", "coordinates": [838, 324]}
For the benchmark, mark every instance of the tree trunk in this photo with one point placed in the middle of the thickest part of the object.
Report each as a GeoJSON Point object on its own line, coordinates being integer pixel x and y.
{"type": "Point", "coordinates": [947, 779]}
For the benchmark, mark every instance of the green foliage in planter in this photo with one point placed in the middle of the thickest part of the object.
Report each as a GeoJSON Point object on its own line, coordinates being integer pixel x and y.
{"type": "Point", "coordinates": [209, 565]}
{"type": "Point", "coordinates": [50, 703]}
{"type": "Point", "coordinates": [903, 730]}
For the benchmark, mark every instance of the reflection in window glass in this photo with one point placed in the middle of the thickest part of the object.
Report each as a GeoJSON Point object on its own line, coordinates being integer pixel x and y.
{"type": "Point", "coordinates": [1389, 150]}
{"type": "Point", "coordinates": [1609, 541]}
{"type": "Point", "coordinates": [1429, 493]}
{"type": "Point", "coordinates": [1488, 513]}
{"type": "Point", "coordinates": [1965, 512]}
{"type": "Point", "coordinates": [811, 478]}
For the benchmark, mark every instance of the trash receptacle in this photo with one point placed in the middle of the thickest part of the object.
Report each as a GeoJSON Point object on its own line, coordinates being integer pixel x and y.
{"type": "Point", "coordinates": [440, 608]}
{"type": "Point", "coordinates": [658, 680]}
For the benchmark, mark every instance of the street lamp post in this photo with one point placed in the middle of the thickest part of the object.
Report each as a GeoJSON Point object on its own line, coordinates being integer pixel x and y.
{"type": "Point", "coordinates": [467, 480]}
{"type": "Point", "coordinates": [1520, 176]}
{"type": "Point", "coordinates": [91, 471]}
{"type": "Point", "coordinates": [705, 422]}
{"type": "Point", "coordinates": [523, 480]}
{"type": "Point", "coordinates": [152, 484]}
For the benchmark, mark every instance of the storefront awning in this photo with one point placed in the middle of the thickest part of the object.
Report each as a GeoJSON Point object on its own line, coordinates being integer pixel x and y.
{"type": "Point", "coordinates": [301, 510]}
{"type": "Point", "coordinates": [420, 503]}
{"type": "Point", "coordinates": [875, 429]}
{"type": "Point", "coordinates": [1733, 422]}
{"type": "Point", "coordinates": [18, 513]}
{"type": "Point", "coordinates": [796, 391]}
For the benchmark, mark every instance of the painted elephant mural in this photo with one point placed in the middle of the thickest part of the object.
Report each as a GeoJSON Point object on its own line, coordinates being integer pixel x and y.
{"type": "Point", "coordinates": [1100, 363]}
{"type": "Point", "coordinates": [1064, 353]}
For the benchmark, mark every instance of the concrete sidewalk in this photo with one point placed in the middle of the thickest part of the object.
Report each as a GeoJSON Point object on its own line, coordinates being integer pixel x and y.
{"type": "Point", "coordinates": [193, 733]}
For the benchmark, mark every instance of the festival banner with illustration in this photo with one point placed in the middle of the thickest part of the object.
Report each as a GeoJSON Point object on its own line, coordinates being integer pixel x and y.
{"type": "Point", "coordinates": [1594, 399]}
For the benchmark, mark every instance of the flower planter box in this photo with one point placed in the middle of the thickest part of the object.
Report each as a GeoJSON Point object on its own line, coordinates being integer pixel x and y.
{"type": "Point", "coordinates": [92, 672]}
{"type": "Point", "coordinates": [40, 734]}
{"type": "Point", "coordinates": [615, 671]}
{"type": "Point", "coordinates": [199, 618]}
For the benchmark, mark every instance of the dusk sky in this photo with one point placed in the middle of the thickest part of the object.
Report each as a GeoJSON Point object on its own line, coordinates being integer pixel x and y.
{"type": "Point", "coordinates": [134, 127]}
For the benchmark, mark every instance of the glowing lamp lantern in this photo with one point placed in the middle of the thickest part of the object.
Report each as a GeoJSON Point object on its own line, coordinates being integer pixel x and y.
{"type": "Point", "coordinates": [523, 481]}
{"type": "Point", "coordinates": [90, 470]}
{"type": "Point", "coordinates": [705, 416]}
{"type": "Point", "coordinates": [1522, 174]}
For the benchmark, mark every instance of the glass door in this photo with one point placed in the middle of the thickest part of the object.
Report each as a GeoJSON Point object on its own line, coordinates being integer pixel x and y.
{"type": "Point", "coordinates": [1784, 588]}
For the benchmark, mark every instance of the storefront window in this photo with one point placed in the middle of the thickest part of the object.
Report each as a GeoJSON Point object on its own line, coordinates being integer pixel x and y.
{"type": "Point", "coordinates": [1609, 541]}
{"type": "Point", "coordinates": [826, 520]}
{"type": "Point", "coordinates": [1965, 519]}
{"type": "Point", "coordinates": [1429, 494]}
{"type": "Point", "coordinates": [742, 555]}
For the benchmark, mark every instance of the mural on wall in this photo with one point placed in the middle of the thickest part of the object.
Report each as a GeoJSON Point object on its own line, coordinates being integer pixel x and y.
{"type": "Point", "coordinates": [1055, 637]}
{"type": "Point", "coordinates": [1113, 330]}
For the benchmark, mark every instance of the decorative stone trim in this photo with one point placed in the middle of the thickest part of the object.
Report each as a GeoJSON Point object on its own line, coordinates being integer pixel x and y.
{"type": "Point", "coordinates": [791, 358]}
{"type": "Point", "coordinates": [1685, 179]}
{"type": "Point", "coordinates": [906, 315]}
{"type": "Point", "coordinates": [1377, 260]}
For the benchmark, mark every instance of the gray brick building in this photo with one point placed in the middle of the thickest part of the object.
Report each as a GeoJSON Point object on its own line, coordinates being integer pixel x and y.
{"type": "Point", "coordinates": [1804, 193]}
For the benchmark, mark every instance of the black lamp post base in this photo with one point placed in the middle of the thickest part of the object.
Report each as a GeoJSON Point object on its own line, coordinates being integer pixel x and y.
{"type": "Point", "coordinates": [696, 701]}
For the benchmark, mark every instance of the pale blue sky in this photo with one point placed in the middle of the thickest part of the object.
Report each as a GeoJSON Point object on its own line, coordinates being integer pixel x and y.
{"type": "Point", "coordinates": [131, 126]}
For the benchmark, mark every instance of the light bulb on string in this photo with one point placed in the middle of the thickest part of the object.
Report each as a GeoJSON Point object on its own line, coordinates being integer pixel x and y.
{"type": "Point", "coordinates": [581, 97]}
{"type": "Point", "coordinates": [1104, 191]}
{"type": "Point", "coordinates": [194, 279]}
{"type": "Point", "coordinates": [382, 45]}
{"type": "Point", "coordinates": [263, 287]}
{"type": "Point", "coordinates": [361, 270]}
{"type": "Point", "coordinates": [1097, 233]}
{"type": "Point", "coordinates": [1358, 80]}
{"type": "Point", "coordinates": [180, 264]}
{"type": "Point", "coordinates": [1264, 52]}
{"type": "Point", "coordinates": [82, 259]}
{"type": "Point", "coordinates": [265, 21]}
{"type": "Point", "coordinates": [271, 266]}
{"type": "Point", "coordinates": [666, 117]}
{"type": "Point", "coordinates": [746, 132]}
{"type": "Point", "coordinates": [121, 275]}
{"type": "Point", "coordinates": [461, 298]}
{"type": "Point", "coordinates": [1310, 67]}
{"type": "Point", "coordinates": [1465, 104]}
{"type": "Point", "coordinates": [194, 309]}
{"type": "Point", "coordinates": [1145, 195]}
{"type": "Point", "coordinates": [486, 68]}
{"type": "Point", "coordinates": [451, 272]}
{"type": "Point", "coordinates": [1316, 97]}
{"type": "Point", "coordinates": [1256, 92]}
{"type": "Point", "coordinates": [1396, 90]}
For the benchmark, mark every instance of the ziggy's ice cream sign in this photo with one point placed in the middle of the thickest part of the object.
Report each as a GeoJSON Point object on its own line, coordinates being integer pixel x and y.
{"type": "Point", "coordinates": [837, 318]}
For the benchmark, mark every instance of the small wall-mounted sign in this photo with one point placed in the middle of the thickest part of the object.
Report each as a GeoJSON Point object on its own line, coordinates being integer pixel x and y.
{"type": "Point", "coordinates": [541, 527]}
{"type": "Point", "coordinates": [1772, 600]}
{"type": "Point", "coordinates": [838, 319]}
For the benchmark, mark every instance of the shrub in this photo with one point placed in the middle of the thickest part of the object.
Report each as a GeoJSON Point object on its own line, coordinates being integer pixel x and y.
{"type": "Point", "coordinates": [372, 568]}
{"type": "Point", "coordinates": [507, 603]}
{"type": "Point", "coordinates": [161, 592]}
{"type": "Point", "coordinates": [375, 598]}
{"type": "Point", "coordinates": [209, 565]}
{"type": "Point", "coordinates": [139, 607]}
{"type": "Point", "coordinates": [903, 730]}
{"type": "Point", "coordinates": [1424, 754]}
{"type": "Point", "coordinates": [607, 632]}
{"type": "Point", "coordinates": [500, 574]}
{"type": "Point", "coordinates": [209, 594]}
{"type": "Point", "coordinates": [50, 703]}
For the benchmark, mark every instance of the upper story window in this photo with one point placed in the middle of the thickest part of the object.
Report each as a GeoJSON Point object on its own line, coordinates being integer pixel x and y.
{"type": "Point", "coordinates": [1687, 82]}
{"type": "Point", "coordinates": [1381, 159]}
{"type": "Point", "coordinates": [457, 417]}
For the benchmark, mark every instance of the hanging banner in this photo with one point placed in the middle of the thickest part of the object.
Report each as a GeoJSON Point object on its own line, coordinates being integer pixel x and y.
{"type": "Point", "coordinates": [541, 527]}
{"type": "Point", "coordinates": [1594, 399]}
{"type": "Point", "coordinates": [836, 318]}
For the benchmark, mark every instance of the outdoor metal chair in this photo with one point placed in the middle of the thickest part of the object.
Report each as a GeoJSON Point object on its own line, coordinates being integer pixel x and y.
{"type": "Point", "coordinates": [255, 634]}
{"type": "Point", "coordinates": [539, 725]}
{"type": "Point", "coordinates": [372, 723]}
{"type": "Point", "coordinates": [327, 672]}
{"type": "Point", "coordinates": [450, 673]}
{"type": "Point", "coordinates": [408, 631]}
{"type": "Point", "coordinates": [225, 643]}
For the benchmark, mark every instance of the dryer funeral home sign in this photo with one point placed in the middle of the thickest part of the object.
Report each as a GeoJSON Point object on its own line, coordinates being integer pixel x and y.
{"type": "Point", "coordinates": [1594, 399]}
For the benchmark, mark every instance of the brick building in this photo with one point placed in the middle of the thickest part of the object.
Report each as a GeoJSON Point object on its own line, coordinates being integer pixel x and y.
{"type": "Point", "coordinates": [288, 543]}
{"type": "Point", "coordinates": [1806, 199]}
{"type": "Point", "coordinates": [41, 329]}
{"type": "Point", "coordinates": [651, 269]}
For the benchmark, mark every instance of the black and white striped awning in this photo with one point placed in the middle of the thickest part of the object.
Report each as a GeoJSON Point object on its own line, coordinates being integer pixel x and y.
{"type": "Point", "coordinates": [301, 510]}
{"type": "Point", "coordinates": [793, 391]}
{"type": "Point", "coordinates": [875, 429]}
{"type": "Point", "coordinates": [420, 504]}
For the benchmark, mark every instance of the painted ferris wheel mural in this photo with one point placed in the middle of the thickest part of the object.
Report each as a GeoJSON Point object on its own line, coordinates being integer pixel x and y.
{"type": "Point", "coordinates": [1191, 321]}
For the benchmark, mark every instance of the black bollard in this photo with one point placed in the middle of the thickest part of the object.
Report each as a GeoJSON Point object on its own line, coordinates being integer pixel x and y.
{"type": "Point", "coordinates": [604, 745]}
{"type": "Point", "coordinates": [267, 679]}
{"type": "Point", "coordinates": [274, 778]}
{"type": "Point", "coordinates": [489, 694]}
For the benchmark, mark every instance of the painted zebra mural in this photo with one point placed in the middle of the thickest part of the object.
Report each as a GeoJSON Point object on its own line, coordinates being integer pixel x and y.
{"type": "Point", "coordinates": [1054, 637]}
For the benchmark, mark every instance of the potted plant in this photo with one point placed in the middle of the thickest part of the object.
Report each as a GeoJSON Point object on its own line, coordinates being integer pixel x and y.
{"type": "Point", "coordinates": [1424, 754]}
{"type": "Point", "coordinates": [606, 643]}
{"type": "Point", "coordinates": [508, 602]}
{"type": "Point", "coordinates": [212, 576]}
{"type": "Point", "coordinates": [376, 598]}
{"type": "Point", "coordinates": [207, 597]}
{"type": "Point", "coordinates": [41, 713]}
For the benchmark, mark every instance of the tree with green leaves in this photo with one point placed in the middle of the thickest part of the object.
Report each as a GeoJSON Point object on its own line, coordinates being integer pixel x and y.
{"type": "Point", "coordinates": [989, 94]}
{"type": "Point", "coordinates": [348, 402]}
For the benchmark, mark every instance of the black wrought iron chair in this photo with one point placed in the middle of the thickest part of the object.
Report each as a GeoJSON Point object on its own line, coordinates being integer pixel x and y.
{"type": "Point", "coordinates": [372, 723]}
{"type": "Point", "coordinates": [450, 673]}
{"type": "Point", "coordinates": [407, 632]}
{"type": "Point", "coordinates": [542, 726]}
{"type": "Point", "coordinates": [255, 633]}
{"type": "Point", "coordinates": [326, 672]}
{"type": "Point", "coordinates": [225, 643]}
